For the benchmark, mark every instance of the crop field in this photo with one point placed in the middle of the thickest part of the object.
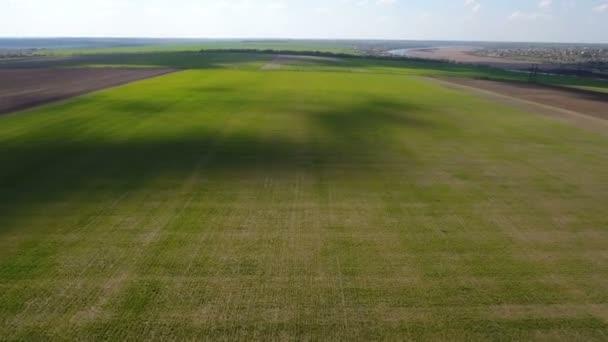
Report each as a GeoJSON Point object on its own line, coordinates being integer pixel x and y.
{"type": "Point", "coordinates": [26, 88]}
{"type": "Point", "coordinates": [324, 46]}
{"type": "Point", "coordinates": [193, 59]}
{"type": "Point", "coordinates": [251, 204]}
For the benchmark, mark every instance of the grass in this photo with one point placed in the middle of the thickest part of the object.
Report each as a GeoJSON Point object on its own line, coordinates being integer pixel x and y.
{"type": "Point", "coordinates": [255, 205]}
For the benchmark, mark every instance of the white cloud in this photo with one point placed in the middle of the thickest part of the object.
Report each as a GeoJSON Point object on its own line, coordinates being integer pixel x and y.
{"type": "Point", "coordinates": [277, 5]}
{"type": "Point", "coordinates": [601, 8]}
{"type": "Point", "coordinates": [234, 5]}
{"type": "Point", "coordinates": [519, 15]}
{"type": "Point", "coordinates": [424, 16]}
{"type": "Point", "coordinates": [568, 5]}
{"type": "Point", "coordinates": [563, 20]}
{"type": "Point", "coordinates": [474, 5]}
{"type": "Point", "coordinates": [545, 4]}
{"type": "Point", "coordinates": [322, 10]}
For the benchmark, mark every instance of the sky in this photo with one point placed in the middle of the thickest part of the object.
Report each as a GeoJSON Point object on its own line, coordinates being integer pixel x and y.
{"type": "Point", "coordinates": [488, 20]}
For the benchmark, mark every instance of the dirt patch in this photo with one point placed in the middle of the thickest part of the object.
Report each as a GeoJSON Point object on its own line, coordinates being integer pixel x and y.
{"type": "Point", "coordinates": [465, 55]}
{"type": "Point", "coordinates": [26, 88]}
{"type": "Point", "coordinates": [275, 64]}
{"type": "Point", "coordinates": [586, 109]}
{"type": "Point", "coordinates": [284, 60]}
{"type": "Point", "coordinates": [37, 62]}
{"type": "Point", "coordinates": [580, 101]}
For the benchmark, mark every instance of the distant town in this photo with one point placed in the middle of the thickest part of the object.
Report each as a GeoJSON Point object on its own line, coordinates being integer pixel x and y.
{"type": "Point", "coordinates": [562, 55]}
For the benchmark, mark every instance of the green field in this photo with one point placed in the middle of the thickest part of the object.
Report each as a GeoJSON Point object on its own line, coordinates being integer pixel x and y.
{"type": "Point", "coordinates": [329, 46]}
{"type": "Point", "coordinates": [219, 204]}
{"type": "Point", "coordinates": [189, 57]}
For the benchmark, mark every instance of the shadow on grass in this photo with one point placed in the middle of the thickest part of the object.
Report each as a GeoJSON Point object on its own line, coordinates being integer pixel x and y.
{"type": "Point", "coordinates": [39, 170]}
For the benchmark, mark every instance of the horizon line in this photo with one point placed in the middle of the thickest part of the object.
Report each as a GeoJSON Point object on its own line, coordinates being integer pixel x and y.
{"type": "Point", "coordinates": [304, 39]}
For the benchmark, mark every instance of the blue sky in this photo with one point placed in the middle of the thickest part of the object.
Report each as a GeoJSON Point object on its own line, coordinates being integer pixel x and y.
{"type": "Point", "coordinates": [514, 20]}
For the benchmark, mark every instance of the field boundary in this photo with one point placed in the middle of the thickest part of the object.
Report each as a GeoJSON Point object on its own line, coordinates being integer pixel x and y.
{"type": "Point", "coordinates": [580, 120]}
{"type": "Point", "coordinates": [46, 92]}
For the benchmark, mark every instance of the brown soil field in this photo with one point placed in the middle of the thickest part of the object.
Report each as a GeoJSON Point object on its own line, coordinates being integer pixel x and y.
{"type": "Point", "coordinates": [586, 109]}
{"type": "Point", "coordinates": [465, 55]}
{"type": "Point", "coordinates": [25, 88]}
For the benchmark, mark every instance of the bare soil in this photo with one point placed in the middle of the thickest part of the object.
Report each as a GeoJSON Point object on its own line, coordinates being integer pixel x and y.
{"type": "Point", "coordinates": [465, 55]}
{"type": "Point", "coordinates": [284, 60]}
{"type": "Point", "coordinates": [587, 109]}
{"type": "Point", "coordinates": [26, 88]}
